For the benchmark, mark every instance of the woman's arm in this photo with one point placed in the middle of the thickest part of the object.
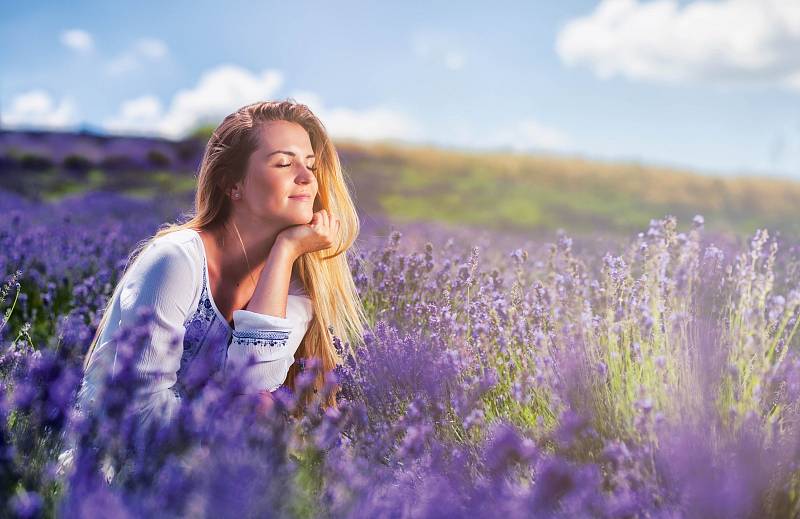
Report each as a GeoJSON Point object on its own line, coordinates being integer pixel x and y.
{"type": "Point", "coordinates": [291, 243]}
{"type": "Point", "coordinates": [272, 287]}
{"type": "Point", "coordinates": [265, 337]}
{"type": "Point", "coordinates": [162, 278]}
{"type": "Point", "coordinates": [266, 334]}
{"type": "Point", "coordinates": [263, 346]}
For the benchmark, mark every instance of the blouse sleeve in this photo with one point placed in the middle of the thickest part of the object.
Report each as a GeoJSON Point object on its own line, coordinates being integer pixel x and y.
{"type": "Point", "coordinates": [164, 277]}
{"type": "Point", "coordinates": [262, 346]}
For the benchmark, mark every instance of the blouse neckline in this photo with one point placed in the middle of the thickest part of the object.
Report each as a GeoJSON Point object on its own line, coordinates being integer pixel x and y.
{"type": "Point", "coordinates": [207, 282]}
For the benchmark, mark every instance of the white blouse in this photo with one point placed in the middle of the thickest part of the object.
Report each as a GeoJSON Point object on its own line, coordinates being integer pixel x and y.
{"type": "Point", "coordinates": [171, 276]}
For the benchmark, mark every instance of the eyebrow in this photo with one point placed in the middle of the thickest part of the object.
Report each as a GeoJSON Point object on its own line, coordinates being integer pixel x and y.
{"type": "Point", "coordinates": [288, 153]}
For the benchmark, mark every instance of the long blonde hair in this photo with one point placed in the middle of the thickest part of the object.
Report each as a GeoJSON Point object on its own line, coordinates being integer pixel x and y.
{"type": "Point", "coordinates": [326, 278]}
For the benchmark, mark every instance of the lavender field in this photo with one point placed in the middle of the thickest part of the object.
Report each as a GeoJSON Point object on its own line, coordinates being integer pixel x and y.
{"type": "Point", "coordinates": [656, 377]}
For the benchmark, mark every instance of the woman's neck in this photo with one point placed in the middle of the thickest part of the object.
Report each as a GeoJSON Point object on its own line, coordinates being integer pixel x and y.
{"type": "Point", "coordinates": [253, 238]}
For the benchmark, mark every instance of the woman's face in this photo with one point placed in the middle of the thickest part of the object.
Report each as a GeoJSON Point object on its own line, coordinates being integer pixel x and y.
{"type": "Point", "coordinates": [278, 170]}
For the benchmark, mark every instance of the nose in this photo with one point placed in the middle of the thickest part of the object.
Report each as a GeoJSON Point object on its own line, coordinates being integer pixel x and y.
{"type": "Point", "coordinates": [305, 175]}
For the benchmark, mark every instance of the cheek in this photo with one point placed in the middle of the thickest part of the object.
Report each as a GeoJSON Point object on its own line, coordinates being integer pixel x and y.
{"type": "Point", "coordinates": [269, 186]}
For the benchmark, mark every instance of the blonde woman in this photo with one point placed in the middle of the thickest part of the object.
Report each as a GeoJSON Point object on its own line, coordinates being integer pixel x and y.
{"type": "Point", "coordinates": [258, 270]}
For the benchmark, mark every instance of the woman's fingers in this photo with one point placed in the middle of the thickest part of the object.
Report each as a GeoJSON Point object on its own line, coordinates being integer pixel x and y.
{"type": "Point", "coordinates": [326, 224]}
{"type": "Point", "coordinates": [320, 216]}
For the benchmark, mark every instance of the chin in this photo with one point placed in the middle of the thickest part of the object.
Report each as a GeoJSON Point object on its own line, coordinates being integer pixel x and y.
{"type": "Point", "coordinates": [302, 217]}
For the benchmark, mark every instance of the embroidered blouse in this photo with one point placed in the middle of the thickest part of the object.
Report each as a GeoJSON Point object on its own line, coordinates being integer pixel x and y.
{"type": "Point", "coordinates": [171, 276]}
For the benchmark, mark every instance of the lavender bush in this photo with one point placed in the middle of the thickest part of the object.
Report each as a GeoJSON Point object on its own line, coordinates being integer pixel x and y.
{"type": "Point", "coordinates": [657, 378]}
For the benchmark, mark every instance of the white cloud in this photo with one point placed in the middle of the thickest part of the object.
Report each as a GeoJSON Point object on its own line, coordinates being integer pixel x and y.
{"type": "Point", "coordinates": [375, 123]}
{"type": "Point", "coordinates": [310, 99]}
{"type": "Point", "coordinates": [529, 134]}
{"type": "Point", "coordinates": [140, 115]}
{"type": "Point", "coordinates": [379, 123]}
{"type": "Point", "coordinates": [526, 135]}
{"type": "Point", "coordinates": [37, 108]}
{"type": "Point", "coordinates": [523, 136]}
{"type": "Point", "coordinates": [725, 41]}
{"type": "Point", "coordinates": [77, 40]}
{"type": "Point", "coordinates": [370, 124]}
{"type": "Point", "coordinates": [143, 50]}
{"type": "Point", "coordinates": [219, 92]}
{"type": "Point", "coordinates": [225, 88]}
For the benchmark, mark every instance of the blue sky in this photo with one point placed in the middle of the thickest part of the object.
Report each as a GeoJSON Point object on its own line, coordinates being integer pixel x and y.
{"type": "Point", "coordinates": [711, 85]}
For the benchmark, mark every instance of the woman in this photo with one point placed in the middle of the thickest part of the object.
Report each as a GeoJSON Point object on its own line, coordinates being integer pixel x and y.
{"type": "Point", "coordinates": [256, 275]}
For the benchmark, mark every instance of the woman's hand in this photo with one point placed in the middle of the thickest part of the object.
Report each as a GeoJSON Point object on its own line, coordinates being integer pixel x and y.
{"type": "Point", "coordinates": [319, 234]}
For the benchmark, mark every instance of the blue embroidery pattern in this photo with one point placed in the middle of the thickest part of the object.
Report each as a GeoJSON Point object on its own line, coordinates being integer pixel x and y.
{"type": "Point", "coordinates": [260, 337]}
{"type": "Point", "coordinates": [197, 328]}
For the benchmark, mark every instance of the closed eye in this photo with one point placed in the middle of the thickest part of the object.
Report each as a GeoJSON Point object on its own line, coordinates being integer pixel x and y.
{"type": "Point", "coordinates": [312, 168]}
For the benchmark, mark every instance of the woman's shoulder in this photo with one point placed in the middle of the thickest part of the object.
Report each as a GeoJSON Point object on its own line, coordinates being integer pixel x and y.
{"type": "Point", "coordinates": [186, 241]}
{"type": "Point", "coordinates": [182, 236]}
{"type": "Point", "coordinates": [167, 270]}
{"type": "Point", "coordinates": [173, 255]}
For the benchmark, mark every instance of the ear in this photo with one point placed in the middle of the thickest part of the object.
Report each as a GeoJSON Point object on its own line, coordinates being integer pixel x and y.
{"type": "Point", "coordinates": [236, 191]}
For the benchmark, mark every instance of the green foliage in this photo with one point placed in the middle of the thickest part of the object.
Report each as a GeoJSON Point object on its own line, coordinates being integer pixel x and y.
{"type": "Point", "coordinates": [530, 192]}
{"type": "Point", "coordinates": [158, 159]}
{"type": "Point", "coordinates": [35, 162]}
{"type": "Point", "coordinates": [76, 163]}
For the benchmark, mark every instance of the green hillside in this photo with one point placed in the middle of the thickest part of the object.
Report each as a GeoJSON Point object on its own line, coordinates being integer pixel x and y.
{"type": "Point", "coordinates": [526, 192]}
{"type": "Point", "coordinates": [510, 192]}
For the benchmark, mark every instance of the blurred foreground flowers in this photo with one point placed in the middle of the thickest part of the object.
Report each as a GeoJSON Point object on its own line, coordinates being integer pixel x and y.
{"type": "Point", "coordinates": [658, 380]}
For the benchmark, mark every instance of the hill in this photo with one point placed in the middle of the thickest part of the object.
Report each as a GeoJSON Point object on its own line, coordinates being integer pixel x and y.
{"type": "Point", "coordinates": [407, 183]}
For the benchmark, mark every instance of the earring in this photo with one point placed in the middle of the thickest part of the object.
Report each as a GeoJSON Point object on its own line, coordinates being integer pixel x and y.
{"type": "Point", "coordinates": [237, 196]}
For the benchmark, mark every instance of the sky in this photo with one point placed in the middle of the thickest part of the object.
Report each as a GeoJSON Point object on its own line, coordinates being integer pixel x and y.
{"type": "Point", "coordinates": [710, 85]}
